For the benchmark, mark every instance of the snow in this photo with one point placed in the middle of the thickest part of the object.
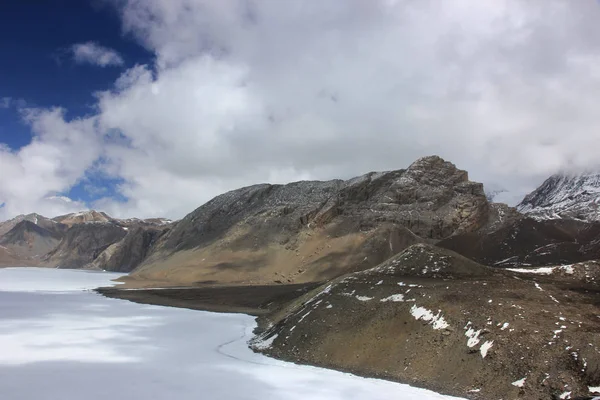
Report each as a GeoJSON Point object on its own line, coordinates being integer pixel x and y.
{"type": "Point", "coordinates": [80, 345]}
{"type": "Point", "coordinates": [567, 269]}
{"type": "Point", "coordinates": [520, 382]}
{"type": "Point", "coordinates": [594, 389]}
{"type": "Point", "coordinates": [364, 298]}
{"type": "Point", "coordinates": [473, 336]}
{"type": "Point", "coordinates": [565, 395]}
{"type": "Point", "coordinates": [436, 321]}
{"type": "Point", "coordinates": [485, 348]}
{"type": "Point", "coordinates": [394, 297]}
{"type": "Point", "coordinates": [537, 285]}
{"type": "Point", "coordinates": [263, 344]}
{"type": "Point", "coordinates": [304, 316]}
{"type": "Point", "coordinates": [504, 326]}
{"type": "Point", "coordinates": [539, 271]}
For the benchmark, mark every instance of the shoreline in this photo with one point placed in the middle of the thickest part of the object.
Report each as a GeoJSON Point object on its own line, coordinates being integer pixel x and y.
{"type": "Point", "coordinates": [266, 300]}
{"type": "Point", "coordinates": [252, 300]}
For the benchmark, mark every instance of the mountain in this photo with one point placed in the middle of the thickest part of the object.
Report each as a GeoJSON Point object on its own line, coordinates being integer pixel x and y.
{"type": "Point", "coordinates": [83, 217]}
{"type": "Point", "coordinates": [29, 237]}
{"type": "Point", "coordinates": [432, 318]}
{"type": "Point", "coordinates": [126, 254]}
{"type": "Point", "coordinates": [78, 240]}
{"type": "Point", "coordinates": [311, 231]}
{"type": "Point", "coordinates": [565, 196]}
{"type": "Point", "coordinates": [82, 243]}
{"type": "Point", "coordinates": [37, 219]}
{"type": "Point", "coordinates": [530, 242]}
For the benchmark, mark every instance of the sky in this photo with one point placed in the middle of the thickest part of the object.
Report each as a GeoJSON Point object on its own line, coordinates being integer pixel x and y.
{"type": "Point", "coordinates": [152, 107]}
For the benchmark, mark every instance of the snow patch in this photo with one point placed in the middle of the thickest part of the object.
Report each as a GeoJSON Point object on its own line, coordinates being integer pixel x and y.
{"type": "Point", "coordinates": [520, 383]}
{"type": "Point", "coordinates": [263, 344]}
{"type": "Point", "coordinates": [436, 321]}
{"type": "Point", "coordinates": [473, 335]}
{"type": "Point", "coordinates": [565, 395]}
{"type": "Point", "coordinates": [394, 297]}
{"type": "Point", "coordinates": [567, 269]}
{"type": "Point", "coordinates": [485, 348]}
{"type": "Point", "coordinates": [504, 326]}
{"type": "Point", "coordinates": [364, 298]}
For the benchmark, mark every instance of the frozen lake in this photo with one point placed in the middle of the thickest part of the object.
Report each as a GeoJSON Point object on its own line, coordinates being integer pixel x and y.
{"type": "Point", "coordinates": [61, 341]}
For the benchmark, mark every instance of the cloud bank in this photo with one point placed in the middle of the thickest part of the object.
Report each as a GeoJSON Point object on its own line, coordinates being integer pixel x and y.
{"type": "Point", "coordinates": [243, 92]}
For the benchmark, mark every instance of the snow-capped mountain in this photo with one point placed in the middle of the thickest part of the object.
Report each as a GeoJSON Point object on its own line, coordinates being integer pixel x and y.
{"type": "Point", "coordinates": [565, 196]}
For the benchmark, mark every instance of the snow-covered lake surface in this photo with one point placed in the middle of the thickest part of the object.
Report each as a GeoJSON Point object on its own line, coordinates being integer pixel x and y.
{"type": "Point", "coordinates": [61, 341]}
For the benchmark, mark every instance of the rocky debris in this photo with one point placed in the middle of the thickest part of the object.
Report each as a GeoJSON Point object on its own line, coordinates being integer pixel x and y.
{"type": "Point", "coordinates": [529, 242]}
{"type": "Point", "coordinates": [82, 243]}
{"type": "Point", "coordinates": [319, 230]}
{"type": "Point", "coordinates": [456, 327]}
{"type": "Point", "coordinates": [129, 252]}
{"type": "Point", "coordinates": [565, 196]}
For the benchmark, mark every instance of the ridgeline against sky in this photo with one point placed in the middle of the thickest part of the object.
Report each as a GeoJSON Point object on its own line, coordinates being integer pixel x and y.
{"type": "Point", "coordinates": [151, 108]}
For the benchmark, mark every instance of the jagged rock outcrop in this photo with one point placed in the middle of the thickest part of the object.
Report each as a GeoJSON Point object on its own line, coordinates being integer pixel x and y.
{"type": "Point", "coordinates": [565, 196]}
{"type": "Point", "coordinates": [308, 231]}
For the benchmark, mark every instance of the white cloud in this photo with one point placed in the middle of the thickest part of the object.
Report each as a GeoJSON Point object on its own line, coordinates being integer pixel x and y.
{"type": "Point", "coordinates": [52, 163]}
{"type": "Point", "coordinates": [5, 102]}
{"type": "Point", "coordinates": [244, 92]}
{"type": "Point", "coordinates": [95, 54]}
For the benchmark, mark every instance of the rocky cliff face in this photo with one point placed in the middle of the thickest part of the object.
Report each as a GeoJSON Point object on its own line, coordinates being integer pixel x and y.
{"type": "Point", "coordinates": [308, 231]}
{"type": "Point", "coordinates": [565, 196]}
{"type": "Point", "coordinates": [127, 253]}
{"type": "Point", "coordinates": [82, 243]}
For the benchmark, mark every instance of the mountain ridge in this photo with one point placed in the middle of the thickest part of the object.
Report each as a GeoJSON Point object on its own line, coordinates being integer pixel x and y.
{"type": "Point", "coordinates": [575, 196]}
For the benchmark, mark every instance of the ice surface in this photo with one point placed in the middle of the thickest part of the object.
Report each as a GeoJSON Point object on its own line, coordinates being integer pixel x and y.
{"type": "Point", "coordinates": [63, 343]}
{"type": "Point", "coordinates": [53, 280]}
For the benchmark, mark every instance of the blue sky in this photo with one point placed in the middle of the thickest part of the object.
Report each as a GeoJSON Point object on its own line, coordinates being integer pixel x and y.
{"type": "Point", "coordinates": [165, 104]}
{"type": "Point", "coordinates": [38, 68]}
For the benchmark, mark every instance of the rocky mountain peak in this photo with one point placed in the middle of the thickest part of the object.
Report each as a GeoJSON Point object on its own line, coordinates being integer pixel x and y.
{"type": "Point", "coordinates": [565, 196]}
{"type": "Point", "coordinates": [434, 169]}
{"type": "Point", "coordinates": [83, 217]}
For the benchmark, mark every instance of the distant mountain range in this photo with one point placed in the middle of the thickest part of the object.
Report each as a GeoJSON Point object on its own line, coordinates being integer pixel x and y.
{"type": "Point", "coordinates": [419, 276]}
{"type": "Point", "coordinates": [72, 240]}
{"type": "Point", "coordinates": [306, 231]}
